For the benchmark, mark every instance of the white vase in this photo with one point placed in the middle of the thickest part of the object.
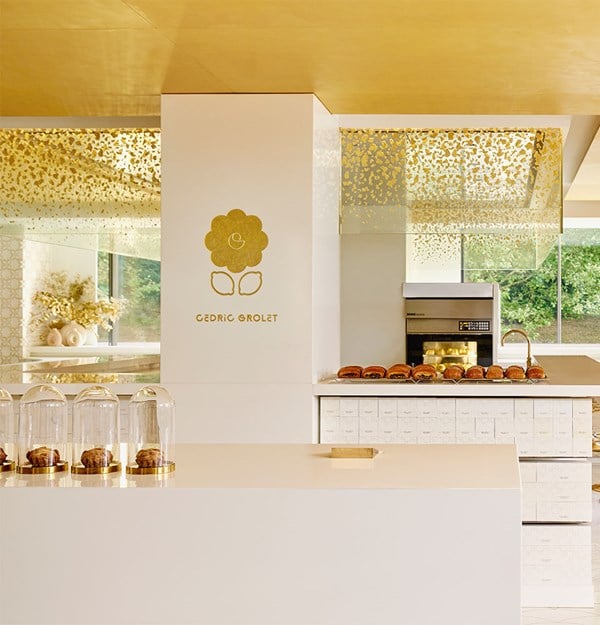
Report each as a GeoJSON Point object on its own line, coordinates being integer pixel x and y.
{"type": "Point", "coordinates": [72, 334]}
{"type": "Point", "coordinates": [54, 337]}
{"type": "Point", "coordinates": [90, 337]}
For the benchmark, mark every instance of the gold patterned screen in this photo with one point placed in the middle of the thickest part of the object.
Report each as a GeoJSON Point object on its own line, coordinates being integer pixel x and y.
{"type": "Point", "coordinates": [498, 190]}
{"type": "Point", "coordinates": [91, 188]}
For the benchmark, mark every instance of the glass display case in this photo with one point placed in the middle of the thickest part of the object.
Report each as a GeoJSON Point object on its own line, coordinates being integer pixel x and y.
{"type": "Point", "coordinates": [96, 432]}
{"type": "Point", "coordinates": [151, 425]}
{"type": "Point", "coordinates": [42, 431]}
{"type": "Point", "coordinates": [7, 432]}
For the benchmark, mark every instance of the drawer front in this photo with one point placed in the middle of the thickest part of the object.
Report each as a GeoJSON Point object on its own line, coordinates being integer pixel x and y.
{"type": "Point", "coordinates": [330, 429]}
{"type": "Point", "coordinates": [577, 512]}
{"type": "Point", "coordinates": [388, 407]}
{"type": "Point", "coordinates": [330, 406]}
{"type": "Point", "coordinates": [541, 427]}
{"type": "Point", "coordinates": [580, 535]}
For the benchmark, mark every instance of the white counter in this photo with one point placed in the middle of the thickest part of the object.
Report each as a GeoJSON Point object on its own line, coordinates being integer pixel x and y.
{"type": "Point", "coordinates": [270, 534]}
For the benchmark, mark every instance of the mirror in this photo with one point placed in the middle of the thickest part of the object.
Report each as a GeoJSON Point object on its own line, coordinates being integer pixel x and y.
{"type": "Point", "coordinates": [79, 252]}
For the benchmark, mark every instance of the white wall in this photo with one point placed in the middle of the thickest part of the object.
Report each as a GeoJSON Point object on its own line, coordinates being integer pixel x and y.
{"type": "Point", "coordinates": [272, 156]}
{"type": "Point", "coordinates": [373, 267]}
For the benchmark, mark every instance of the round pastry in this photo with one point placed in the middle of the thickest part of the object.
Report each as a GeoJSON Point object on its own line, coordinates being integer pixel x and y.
{"type": "Point", "coordinates": [399, 371]}
{"type": "Point", "coordinates": [494, 372]}
{"type": "Point", "coordinates": [43, 457]}
{"type": "Point", "coordinates": [2, 455]}
{"type": "Point", "coordinates": [96, 458]}
{"type": "Point", "coordinates": [515, 372]}
{"type": "Point", "coordinates": [453, 372]}
{"type": "Point", "coordinates": [424, 372]}
{"type": "Point", "coordinates": [147, 458]}
{"type": "Point", "coordinates": [535, 372]}
{"type": "Point", "coordinates": [350, 371]}
{"type": "Point", "coordinates": [475, 372]}
{"type": "Point", "coordinates": [374, 372]}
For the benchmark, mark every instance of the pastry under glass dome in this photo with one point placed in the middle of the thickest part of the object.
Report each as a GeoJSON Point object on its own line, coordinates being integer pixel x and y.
{"type": "Point", "coordinates": [96, 432]}
{"type": "Point", "coordinates": [7, 434]}
{"type": "Point", "coordinates": [42, 431]}
{"type": "Point", "coordinates": [151, 425]}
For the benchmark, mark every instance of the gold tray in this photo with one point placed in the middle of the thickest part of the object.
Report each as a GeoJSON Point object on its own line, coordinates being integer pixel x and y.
{"type": "Point", "coordinates": [113, 467]}
{"type": "Point", "coordinates": [28, 469]}
{"type": "Point", "coordinates": [166, 468]}
{"type": "Point", "coordinates": [438, 380]}
{"type": "Point", "coordinates": [7, 465]}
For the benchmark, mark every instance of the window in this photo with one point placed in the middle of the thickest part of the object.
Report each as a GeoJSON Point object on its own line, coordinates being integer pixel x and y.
{"type": "Point", "coordinates": [137, 280]}
{"type": "Point", "coordinates": [533, 300]}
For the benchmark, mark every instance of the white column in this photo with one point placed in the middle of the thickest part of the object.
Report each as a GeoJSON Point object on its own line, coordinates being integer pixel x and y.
{"type": "Point", "coordinates": [249, 321]}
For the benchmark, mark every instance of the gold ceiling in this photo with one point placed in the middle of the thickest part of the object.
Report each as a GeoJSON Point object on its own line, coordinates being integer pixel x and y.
{"type": "Point", "coordinates": [115, 57]}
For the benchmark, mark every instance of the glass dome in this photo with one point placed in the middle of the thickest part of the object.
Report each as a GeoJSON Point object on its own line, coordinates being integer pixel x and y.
{"type": "Point", "coordinates": [7, 432]}
{"type": "Point", "coordinates": [96, 432]}
{"type": "Point", "coordinates": [151, 424]}
{"type": "Point", "coordinates": [42, 431]}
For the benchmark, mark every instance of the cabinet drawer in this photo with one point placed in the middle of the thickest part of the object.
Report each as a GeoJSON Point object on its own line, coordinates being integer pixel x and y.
{"type": "Point", "coordinates": [349, 407]}
{"type": "Point", "coordinates": [348, 430]}
{"type": "Point", "coordinates": [557, 535]}
{"type": "Point", "coordinates": [330, 406]}
{"type": "Point", "coordinates": [368, 407]}
{"type": "Point", "coordinates": [577, 512]}
{"type": "Point", "coordinates": [388, 407]}
{"type": "Point", "coordinates": [561, 472]}
{"type": "Point", "coordinates": [330, 429]}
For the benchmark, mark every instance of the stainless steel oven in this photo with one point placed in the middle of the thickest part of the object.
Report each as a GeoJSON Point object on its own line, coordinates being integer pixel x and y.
{"type": "Point", "coordinates": [454, 323]}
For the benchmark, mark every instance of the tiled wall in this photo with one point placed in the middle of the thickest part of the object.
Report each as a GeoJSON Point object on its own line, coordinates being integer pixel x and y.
{"type": "Point", "coordinates": [11, 299]}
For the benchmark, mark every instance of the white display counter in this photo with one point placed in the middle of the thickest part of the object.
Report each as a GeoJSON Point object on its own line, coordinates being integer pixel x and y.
{"type": "Point", "coordinates": [270, 534]}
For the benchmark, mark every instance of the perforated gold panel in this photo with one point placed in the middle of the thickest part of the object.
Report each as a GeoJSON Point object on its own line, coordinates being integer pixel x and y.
{"type": "Point", "coordinates": [96, 188]}
{"type": "Point", "coordinates": [489, 187]}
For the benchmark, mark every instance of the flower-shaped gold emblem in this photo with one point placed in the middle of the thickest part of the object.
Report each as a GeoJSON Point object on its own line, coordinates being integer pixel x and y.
{"type": "Point", "coordinates": [236, 240]}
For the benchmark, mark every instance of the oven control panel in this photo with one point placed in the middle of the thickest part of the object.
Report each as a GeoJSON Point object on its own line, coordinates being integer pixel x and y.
{"type": "Point", "coordinates": [474, 325]}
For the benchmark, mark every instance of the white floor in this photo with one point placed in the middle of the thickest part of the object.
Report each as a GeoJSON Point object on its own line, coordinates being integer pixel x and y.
{"type": "Point", "coordinates": [576, 616]}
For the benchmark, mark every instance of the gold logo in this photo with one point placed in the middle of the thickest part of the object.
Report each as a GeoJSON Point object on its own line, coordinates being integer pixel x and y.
{"type": "Point", "coordinates": [236, 241]}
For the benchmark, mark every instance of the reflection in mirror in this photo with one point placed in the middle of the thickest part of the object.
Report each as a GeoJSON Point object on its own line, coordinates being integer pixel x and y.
{"type": "Point", "coordinates": [79, 255]}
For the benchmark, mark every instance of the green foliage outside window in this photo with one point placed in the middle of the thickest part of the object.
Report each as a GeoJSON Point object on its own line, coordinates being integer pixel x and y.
{"type": "Point", "coordinates": [139, 281]}
{"type": "Point", "coordinates": [529, 299]}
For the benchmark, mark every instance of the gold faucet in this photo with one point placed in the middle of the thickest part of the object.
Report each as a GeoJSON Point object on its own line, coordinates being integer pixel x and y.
{"type": "Point", "coordinates": [517, 331]}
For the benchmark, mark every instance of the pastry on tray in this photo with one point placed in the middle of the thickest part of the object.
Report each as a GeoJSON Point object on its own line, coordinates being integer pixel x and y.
{"type": "Point", "coordinates": [535, 372]}
{"type": "Point", "coordinates": [494, 372]}
{"type": "Point", "coordinates": [515, 372]}
{"type": "Point", "coordinates": [475, 372]}
{"type": "Point", "coordinates": [2, 455]}
{"type": "Point", "coordinates": [43, 457]}
{"type": "Point", "coordinates": [374, 372]}
{"type": "Point", "coordinates": [424, 372]}
{"type": "Point", "coordinates": [350, 371]}
{"type": "Point", "coordinates": [399, 371]}
{"type": "Point", "coordinates": [453, 372]}
{"type": "Point", "coordinates": [149, 458]}
{"type": "Point", "coordinates": [96, 458]}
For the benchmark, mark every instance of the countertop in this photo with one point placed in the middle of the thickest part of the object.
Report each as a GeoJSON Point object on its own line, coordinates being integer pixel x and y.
{"type": "Point", "coordinates": [566, 376]}
{"type": "Point", "coordinates": [273, 466]}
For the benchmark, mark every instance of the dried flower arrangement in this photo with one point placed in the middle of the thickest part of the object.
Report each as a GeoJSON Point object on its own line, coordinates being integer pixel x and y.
{"type": "Point", "coordinates": [64, 300]}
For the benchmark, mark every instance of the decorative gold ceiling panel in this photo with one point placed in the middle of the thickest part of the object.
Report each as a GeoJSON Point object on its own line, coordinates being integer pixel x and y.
{"type": "Point", "coordinates": [483, 185]}
{"type": "Point", "coordinates": [97, 188]}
